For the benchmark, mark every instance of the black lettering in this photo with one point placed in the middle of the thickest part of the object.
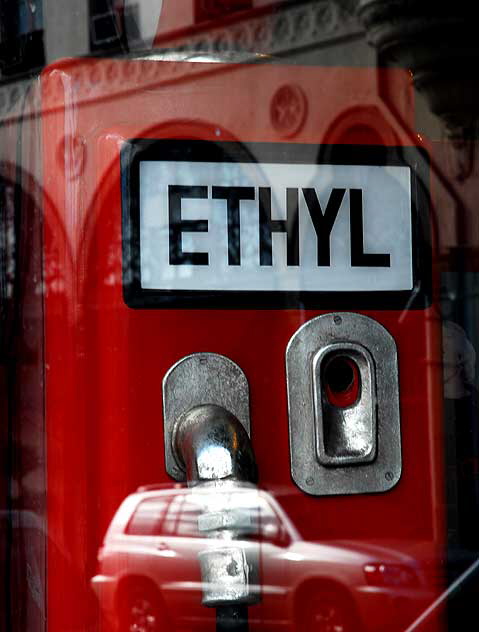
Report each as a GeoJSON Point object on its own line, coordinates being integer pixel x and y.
{"type": "Point", "coordinates": [268, 226]}
{"type": "Point", "coordinates": [233, 195]}
{"type": "Point", "coordinates": [358, 257]}
{"type": "Point", "coordinates": [178, 226]}
{"type": "Point", "coordinates": [323, 222]}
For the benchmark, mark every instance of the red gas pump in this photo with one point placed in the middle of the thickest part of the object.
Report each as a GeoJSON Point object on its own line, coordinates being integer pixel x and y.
{"type": "Point", "coordinates": [258, 238]}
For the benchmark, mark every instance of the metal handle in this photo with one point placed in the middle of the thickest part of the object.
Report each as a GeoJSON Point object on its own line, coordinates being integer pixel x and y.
{"type": "Point", "coordinates": [210, 444]}
{"type": "Point", "coordinates": [210, 447]}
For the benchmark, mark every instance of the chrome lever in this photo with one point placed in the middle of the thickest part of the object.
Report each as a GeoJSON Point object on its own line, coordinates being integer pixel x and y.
{"type": "Point", "coordinates": [209, 447]}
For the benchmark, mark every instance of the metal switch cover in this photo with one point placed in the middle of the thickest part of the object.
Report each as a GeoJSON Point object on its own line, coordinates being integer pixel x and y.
{"type": "Point", "coordinates": [343, 404]}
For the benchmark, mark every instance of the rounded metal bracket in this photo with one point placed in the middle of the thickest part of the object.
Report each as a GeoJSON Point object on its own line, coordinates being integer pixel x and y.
{"type": "Point", "coordinates": [354, 449]}
{"type": "Point", "coordinates": [197, 380]}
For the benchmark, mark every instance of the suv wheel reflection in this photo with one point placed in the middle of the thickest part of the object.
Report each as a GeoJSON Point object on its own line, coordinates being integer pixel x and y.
{"type": "Point", "coordinates": [140, 611]}
{"type": "Point", "coordinates": [327, 613]}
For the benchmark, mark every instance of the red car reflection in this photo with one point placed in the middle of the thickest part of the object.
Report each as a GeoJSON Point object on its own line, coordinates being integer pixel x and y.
{"type": "Point", "coordinates": [149, 576]}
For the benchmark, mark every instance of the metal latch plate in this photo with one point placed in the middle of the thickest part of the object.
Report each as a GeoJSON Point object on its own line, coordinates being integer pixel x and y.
{"type": "Point", "coordinates": [378, 467]}
{"type": "Point", "coordinates": [198, 379]}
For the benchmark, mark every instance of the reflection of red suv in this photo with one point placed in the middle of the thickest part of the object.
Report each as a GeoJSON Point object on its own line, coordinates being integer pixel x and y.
{"type": "Point", "coordinates": [149, 574]}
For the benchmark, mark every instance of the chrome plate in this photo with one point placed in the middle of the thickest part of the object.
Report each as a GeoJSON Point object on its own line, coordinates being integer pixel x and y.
{"type": "Point", "coordinates": [314, 474]}
{"type": "Point", "coordinates": [202, 378]}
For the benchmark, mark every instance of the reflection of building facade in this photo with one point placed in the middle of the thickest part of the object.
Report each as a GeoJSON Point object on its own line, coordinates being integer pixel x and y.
{"type": "Point", "coordinates": [309, 76]}
{"type": "Point", "coordinates": [47, 32]}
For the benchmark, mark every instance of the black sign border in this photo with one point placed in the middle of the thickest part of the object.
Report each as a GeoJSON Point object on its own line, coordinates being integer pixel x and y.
{"type": "Point", "coordinates": [137, 150]}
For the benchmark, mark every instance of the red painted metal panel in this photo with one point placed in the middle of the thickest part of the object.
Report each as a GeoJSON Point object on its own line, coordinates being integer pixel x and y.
{"type": "Point", "coordinates": [105, 362]}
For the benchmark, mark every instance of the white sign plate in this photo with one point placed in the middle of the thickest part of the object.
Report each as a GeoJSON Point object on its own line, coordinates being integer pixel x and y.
{"type": "Point", "coordinates": [196, 225]}
{"type": "Point", "coordinates": [250, 252]}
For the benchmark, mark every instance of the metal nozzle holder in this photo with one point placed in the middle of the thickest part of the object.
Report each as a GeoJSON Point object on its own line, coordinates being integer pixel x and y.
{"type": "Point", "coordinates": [206, 417]}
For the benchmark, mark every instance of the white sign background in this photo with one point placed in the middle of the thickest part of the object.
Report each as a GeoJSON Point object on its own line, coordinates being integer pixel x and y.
{"type": "Point", "coordinates": [386, 226]}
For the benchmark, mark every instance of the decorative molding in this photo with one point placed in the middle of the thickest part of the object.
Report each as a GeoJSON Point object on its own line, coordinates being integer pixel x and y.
{"type": "Point", "coordinates": [297, 27]}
